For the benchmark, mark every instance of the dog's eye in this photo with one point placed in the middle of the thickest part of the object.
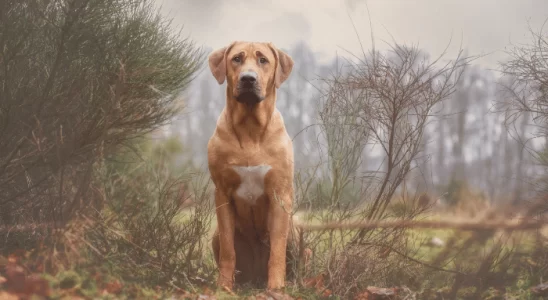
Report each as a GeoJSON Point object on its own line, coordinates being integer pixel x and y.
{"type": "Point", "coordinates": [237, 59]}
{"type": "Point", "coordinates": [263, 60]}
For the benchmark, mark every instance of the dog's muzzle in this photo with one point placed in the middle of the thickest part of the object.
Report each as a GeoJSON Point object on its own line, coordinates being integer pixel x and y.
{"type": "Point", "coordinates": [248, 88]}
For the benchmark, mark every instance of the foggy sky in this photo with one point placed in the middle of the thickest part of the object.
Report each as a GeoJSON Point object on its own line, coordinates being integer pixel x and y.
{"type": "Point", "coordinates": [483, 27]}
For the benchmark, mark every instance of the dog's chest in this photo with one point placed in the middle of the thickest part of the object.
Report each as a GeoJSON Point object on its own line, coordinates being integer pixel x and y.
{"type": "Point", "coordinates": [252, 185]}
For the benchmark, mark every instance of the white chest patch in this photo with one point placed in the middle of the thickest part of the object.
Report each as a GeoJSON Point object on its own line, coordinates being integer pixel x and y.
{"type": "Point", "coordinates": [252, 182]}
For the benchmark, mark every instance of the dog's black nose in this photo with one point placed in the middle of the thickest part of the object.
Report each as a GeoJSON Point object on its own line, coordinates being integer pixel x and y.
{"type": "Point", "coordinates": [248, 77]}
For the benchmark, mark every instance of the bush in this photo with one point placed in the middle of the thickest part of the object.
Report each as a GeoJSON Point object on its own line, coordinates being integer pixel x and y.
{"type": "Point", "coordinates": [79, 80]}
{"type": "Point", "coordinates": [143, 230]}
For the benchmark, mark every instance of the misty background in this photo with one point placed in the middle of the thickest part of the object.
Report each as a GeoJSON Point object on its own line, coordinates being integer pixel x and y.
{"type": "Point", "coordinates": [466, 141]}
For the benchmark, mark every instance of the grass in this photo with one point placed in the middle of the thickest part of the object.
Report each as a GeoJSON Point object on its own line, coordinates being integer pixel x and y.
{"type": "Point", "coordinates": [102, 282]}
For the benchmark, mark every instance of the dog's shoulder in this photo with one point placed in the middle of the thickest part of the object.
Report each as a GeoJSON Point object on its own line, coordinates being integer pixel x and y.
{"type": "Point", "coordinates": [278, 129]}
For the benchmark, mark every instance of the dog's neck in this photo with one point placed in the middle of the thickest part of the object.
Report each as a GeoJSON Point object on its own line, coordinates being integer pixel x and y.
{"type": "Point", "coordinates": [250, 123]}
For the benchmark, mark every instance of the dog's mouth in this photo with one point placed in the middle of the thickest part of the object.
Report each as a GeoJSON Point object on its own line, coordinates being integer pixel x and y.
{"type": "Point", "coordinates": [249, 95]}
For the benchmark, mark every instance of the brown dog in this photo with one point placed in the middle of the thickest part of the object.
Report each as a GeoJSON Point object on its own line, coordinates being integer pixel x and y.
{"type": "Point", "coordinates": [250, 157]}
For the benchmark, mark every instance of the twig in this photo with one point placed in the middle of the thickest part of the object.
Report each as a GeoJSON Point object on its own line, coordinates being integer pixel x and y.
{"type": "Point", "coordinates": [392, 249]}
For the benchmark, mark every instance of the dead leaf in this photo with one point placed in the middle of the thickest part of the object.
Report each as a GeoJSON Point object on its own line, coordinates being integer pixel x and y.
{"type": "Point", "coordinates": [16, 256]}
{"type": "Point", "coordinates": [113, 287]}
{"type": "Point", "coordinates": [376, 293]}
{"type": "Point", "coordinates": [207, 291]}
{"type": "Point", "coordinates": [362, 296]}
{"type": "Point", "coordinates": [541, 289]}
{"type": "Point", "coordinates": [184, 294]}
{"type": "Point", "coordinates": [18, 282]}
{"type": "Point", "coordinates": [307, 256]}
{"type": "Point", "coordinates": [384, 252]}
{"type": "Point", "coordinates": [3, 261]}
{"type": "Point", "coordinates": [261, 296]}
{"type": "Point", "coordinates": [36, 285]}
{"type": "Point", "coordinates": [15, 278]}
{"type": "Point", "coordinates": [315, 282]}
{"type": "Point", "coordinates": [531, 262]}
{"type": "Point", "coordinates": [318, 283]}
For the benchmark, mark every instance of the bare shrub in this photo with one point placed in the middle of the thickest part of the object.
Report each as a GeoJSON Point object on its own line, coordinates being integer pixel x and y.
{"type": "Point", "coordinates": [523, 98]}
{"type": "Point", "coordinates": [383, 100]}
{"type": "Point", "coordinates": [144, 234]}
{"type": "Point", "coordinates": [397, 94]}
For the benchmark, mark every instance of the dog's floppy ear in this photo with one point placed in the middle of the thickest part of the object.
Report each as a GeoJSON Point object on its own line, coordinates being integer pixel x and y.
{"type": "Point", "coordinates": [217, 63]}
{"type": "Point", "coordinates": [284, 67]}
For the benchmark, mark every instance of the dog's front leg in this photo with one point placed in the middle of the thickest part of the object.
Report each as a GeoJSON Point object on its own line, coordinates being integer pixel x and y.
{"type": "Point", "coordinates": [280, 209]}
{"type": "Point", "coordinates": [227, 254]}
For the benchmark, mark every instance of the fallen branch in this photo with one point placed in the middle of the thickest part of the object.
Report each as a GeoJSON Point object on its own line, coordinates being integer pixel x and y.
{"type": "Point", "coordinates": [459, 225]}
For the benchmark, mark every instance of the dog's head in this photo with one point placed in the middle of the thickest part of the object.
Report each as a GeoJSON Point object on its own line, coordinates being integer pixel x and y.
{"type": "Point", "coordinates": [252, 70]}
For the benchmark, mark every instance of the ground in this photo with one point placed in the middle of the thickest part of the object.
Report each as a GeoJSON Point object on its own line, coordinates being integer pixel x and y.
{"type": "Point", "coordinates": [20, 275]}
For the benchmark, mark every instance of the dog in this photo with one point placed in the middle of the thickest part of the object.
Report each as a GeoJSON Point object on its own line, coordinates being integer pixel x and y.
{"type": "Point", "coordinates": [250, 160]}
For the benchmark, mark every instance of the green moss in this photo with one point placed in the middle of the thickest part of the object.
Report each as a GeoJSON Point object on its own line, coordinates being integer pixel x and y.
{"type": "Point", "coordinates": [69, 279]}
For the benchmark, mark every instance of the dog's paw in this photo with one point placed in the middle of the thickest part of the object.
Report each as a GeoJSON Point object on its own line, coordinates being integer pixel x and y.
{"type": "Point", "coordinates": [224, 284]}
{"type": "Point", "coordinates": [228, 290]}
